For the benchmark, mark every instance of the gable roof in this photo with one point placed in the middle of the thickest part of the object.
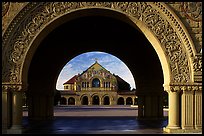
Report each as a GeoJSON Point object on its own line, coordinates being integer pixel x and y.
{"type": "Point", "coordinates": [95, 66]}
{"type": "Point", "coordinates": [72, 80]}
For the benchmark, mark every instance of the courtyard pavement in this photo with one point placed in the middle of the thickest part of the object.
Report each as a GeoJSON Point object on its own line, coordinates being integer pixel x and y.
{"type": "Point", "coordinates": [97, 111]}
{"type": "Point", "coordinates": [96, 120]}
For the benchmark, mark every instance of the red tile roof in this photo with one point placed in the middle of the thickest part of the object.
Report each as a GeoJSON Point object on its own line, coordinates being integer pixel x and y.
{"type": "Point", "coordinates": [72, 80]}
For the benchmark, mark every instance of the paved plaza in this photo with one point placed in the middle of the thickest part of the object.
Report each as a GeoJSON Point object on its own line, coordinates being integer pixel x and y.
{"type": "Point", "coordinates": [96, 111]}
{"type": "Point", "coordinates": [94, 120]}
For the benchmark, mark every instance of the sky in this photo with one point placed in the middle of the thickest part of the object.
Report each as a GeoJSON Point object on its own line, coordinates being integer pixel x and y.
{"type": "Point", "coordinates": [83, 61]}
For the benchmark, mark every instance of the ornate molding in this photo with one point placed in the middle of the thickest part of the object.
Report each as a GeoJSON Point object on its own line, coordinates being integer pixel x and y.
{"type": "Point", "coordinates": [35, 16]}
{"type": "Point", "coordinates": [192, 10]}
{"type": "Point", "coordinates": [183, 87]}
{"type": "Point", "coordinates": [197, 68]}
{"type": "Point", "coordinates": [197, 64]}
{"type": "Point", "coordinates": [179, 26]}
{"type": "Point", "coordinates": [11, 87]}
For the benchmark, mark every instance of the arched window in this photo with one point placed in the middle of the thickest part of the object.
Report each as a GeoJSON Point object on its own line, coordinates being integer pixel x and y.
{"type": "Point", "coordinates": [96, 82]}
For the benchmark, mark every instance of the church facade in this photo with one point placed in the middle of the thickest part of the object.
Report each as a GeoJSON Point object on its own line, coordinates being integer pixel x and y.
{"type": "Point", "coordinates": [97, 86]}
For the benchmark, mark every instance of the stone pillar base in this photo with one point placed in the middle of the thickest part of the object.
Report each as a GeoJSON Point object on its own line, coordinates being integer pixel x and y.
{"type": "Point", "coordinates": [171, 129]}
{"type": "Point", "coordinates": [4, 131]}
{"type": "Point", "coordinates": [179, 130]}
{"type": "Point", "coordinates": [15, 130]}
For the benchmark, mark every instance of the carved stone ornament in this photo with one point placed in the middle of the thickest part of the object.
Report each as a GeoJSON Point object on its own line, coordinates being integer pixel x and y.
{"type": "Point", "coordinates": [185, 88]}
{"type": "Point", "coordinates": [192, 10]}
{"type": "Point", "coordinates": [5, 8]}
{"type": "Point", "coordinates": [11, 87]}
{"type": "Point", "coordinates": [197, 64]}
{"type": "Point", "coordinates": [35, 16]}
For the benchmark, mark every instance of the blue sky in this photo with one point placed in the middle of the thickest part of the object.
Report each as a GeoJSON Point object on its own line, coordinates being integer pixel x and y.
{"type": "Point", "coordinates": [83, 61]}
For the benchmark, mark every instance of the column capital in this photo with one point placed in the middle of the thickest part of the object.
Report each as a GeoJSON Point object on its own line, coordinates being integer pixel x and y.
{"type": "Point", "coordinates": [13, 87]}
{"type": "Point", "coordinates": [185, 87]}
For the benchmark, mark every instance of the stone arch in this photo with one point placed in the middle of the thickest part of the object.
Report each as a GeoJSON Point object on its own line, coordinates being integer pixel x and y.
{"type": "Point", "coordinates": [71, 101]}
{"type": "Point", "coordinates": [161, 31]}
{"type": "Point", "coordinates": [84, 100]}
{"type": "Point", "coordinates": [106, 99]}
{"type": "Point", "coordinates": [129, 101]}
{"type": "Point", "coordinates": [121, 101]}
{"type": "Point", "coordinates": [95, 99]}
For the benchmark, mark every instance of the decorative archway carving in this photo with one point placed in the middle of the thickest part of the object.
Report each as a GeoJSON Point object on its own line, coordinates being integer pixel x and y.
{"type": "Point", "coordinates": [157, 17]}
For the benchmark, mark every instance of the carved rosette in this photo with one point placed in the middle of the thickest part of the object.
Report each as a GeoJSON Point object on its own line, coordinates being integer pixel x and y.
{"type": "Point", "coordinates": [40, 14]}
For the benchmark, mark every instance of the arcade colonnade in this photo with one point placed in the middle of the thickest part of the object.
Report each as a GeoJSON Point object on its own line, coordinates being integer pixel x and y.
{"type": "Point", "coordinates": [102, 100]}
{"type": "Point", "coordinates": [31, 22]}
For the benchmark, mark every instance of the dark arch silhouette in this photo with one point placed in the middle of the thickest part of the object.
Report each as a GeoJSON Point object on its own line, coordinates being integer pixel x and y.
{"type": "Point", "coordinates": [71, 101]}
{"type": "Point", "coordinates": [63, 101]}
{"type": "Point", "coordinates": [129, 101]}
{"type": "Point", "coordinates": [95, 100]}
{"type": "Point", "coordinates": [84, 100]}
{"type": "Point", "coordinates": [106, 100]}
{"type": "Point", "coordinates": [120, 101]}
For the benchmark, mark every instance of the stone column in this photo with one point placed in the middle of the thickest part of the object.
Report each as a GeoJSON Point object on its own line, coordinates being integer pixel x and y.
{"type": "Point", "coordinates": [100, 100]}
{"type": "Point", "coordinates": [40, 105]}
{"type": "Point", "coordinates": [147, 106]}
{"type": "Point", "coordinates": [17, 109]}
{"type": "Point", "coordinates": [89, 100]}
{"type": "Point", "coordinates": [6, 109]}
{"type": "Point", "coordinates": [187, 112]}
{"type": "Point", "coordinates": [110, 100]}
{"type": "Point", "coordinates": [124, 100]}
{"type": "Point", "coordinates": [67, 100]}
{"type": "Point", "coordinates": [140, 106]}
{"type": "Point", "coordinates": [198, 108]}
{"type": "Point", "coordinates": [174, 109]}
{"type": "Point", "coordinates": [113, 101]}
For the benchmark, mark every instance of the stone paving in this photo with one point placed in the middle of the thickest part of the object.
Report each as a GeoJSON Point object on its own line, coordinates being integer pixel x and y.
{"type": "Point", "coordinates": [95, 120]}
{"type": "Point", "coordinates": [90, 111]}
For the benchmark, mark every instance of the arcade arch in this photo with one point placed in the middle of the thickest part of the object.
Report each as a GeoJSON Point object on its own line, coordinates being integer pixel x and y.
{"type": "Point", "coordinates": [106, 100]}
{"type": "Point", "coordinates": [95, 100]}
{"type": "Point", "coordinates": [121, 101]}
{"type": "Point", "coordinates": [71, 101]}
{"type": "Point", "coordinates": [84, 100]}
